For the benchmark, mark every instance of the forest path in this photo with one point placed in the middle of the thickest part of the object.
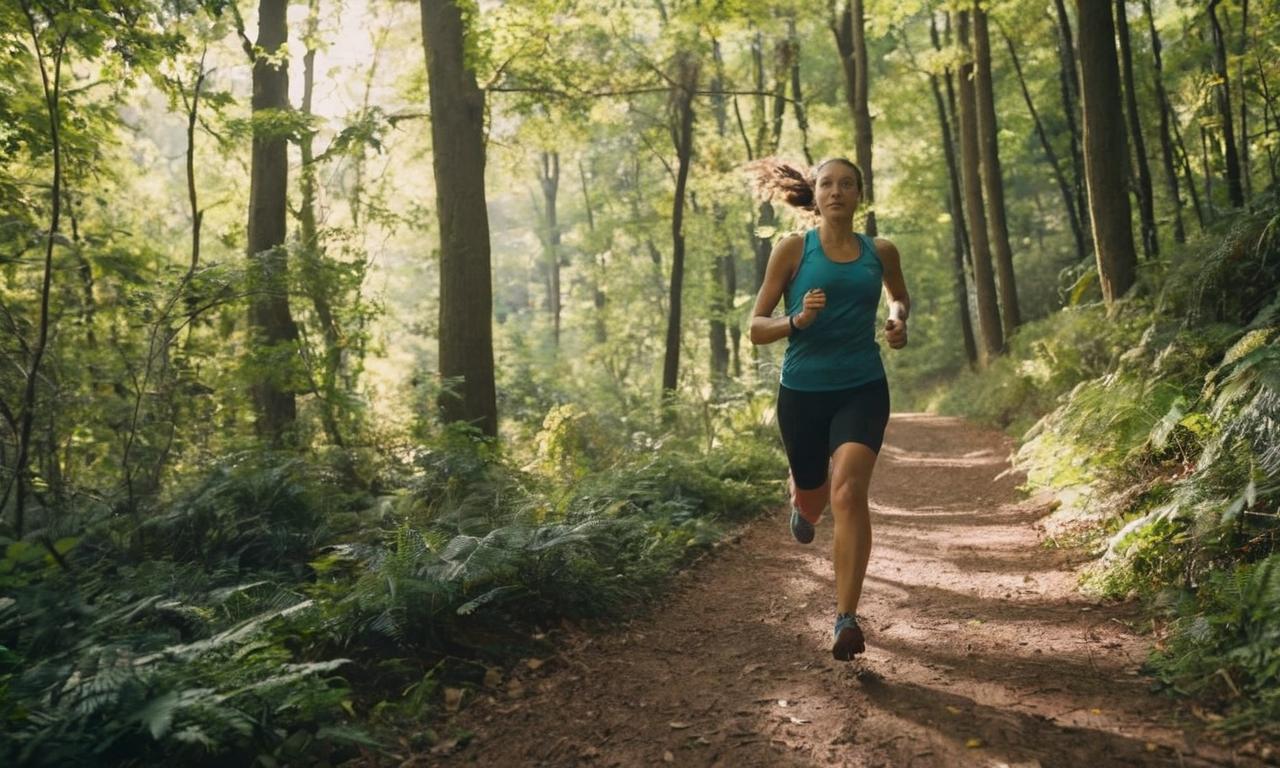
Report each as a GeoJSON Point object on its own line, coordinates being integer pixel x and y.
{"type": "Point", "coordinates": [980, 651]}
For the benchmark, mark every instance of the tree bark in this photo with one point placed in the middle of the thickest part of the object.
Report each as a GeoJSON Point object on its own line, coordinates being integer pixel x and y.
{"type": "Point", "coordinates": [1105, 150]}
{"type": "Point", "coordinates": [979, 246]}
{"type": "Point", "coordinates": [598, 297]}
{"type": "Point", "coordinates": [319, 284]}
{"type": "Point", "coordinates": [1235, 188]}
{"type": "Point", "coordinates": [1070, 87]}
{"type": "Point", "coordinates": [955, 209]}
{"type": "Point", "coordinates": [992, 175]}
{"type": "Point", "coordinates": [549, 180]}
{"type": "Point", "coordinates": [721, 298]}
{"type": "Point", "coordinates": [1244, 102]}
{"type": "Point", "coordinates": [1064, 188]}
{"type": "Point", "coordinates": [1166, 140]}
{"type": "Point", "coordinates": [851, 41]}
{"type": "Point", "coordinates": [1142, 170]}
{"type": "Point", "coordinates": [270, 319]}
{"type": "Point", "coordinates": [458, 159]}
{"type": "Point", "coordinates": [682, 94]}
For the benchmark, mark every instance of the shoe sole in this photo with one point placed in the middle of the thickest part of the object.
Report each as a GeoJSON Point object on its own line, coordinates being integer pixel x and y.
{"type": "Point", "coordinates": [849, 643]}
{"type": "Point", "coordinates": [796, 532]}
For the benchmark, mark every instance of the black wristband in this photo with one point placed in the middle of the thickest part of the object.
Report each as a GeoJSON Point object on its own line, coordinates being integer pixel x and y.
{"type": "Point", "coordinates": [791, 321]}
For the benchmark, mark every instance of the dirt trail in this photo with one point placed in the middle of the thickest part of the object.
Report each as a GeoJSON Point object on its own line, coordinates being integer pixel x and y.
{"type": "Point", "coordinates": [980, 651]}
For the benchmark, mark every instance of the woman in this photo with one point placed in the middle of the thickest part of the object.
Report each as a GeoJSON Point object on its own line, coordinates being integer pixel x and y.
{"type": "Point", "coordinates": [833, 400]}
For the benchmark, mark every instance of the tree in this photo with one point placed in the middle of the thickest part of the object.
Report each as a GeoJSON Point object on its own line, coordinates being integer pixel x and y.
{"type": "Point", "coordinates": [1070, 88]}
{"type": "Point", "coordinates": [1146, 206]}
{"type": "Point", "coordinates": [851, 41]}
{"type": "Point", "coordinates": [458, 159]}
{"type": "Point", "coordinates": [955, 205]}
{"type": "Point", "coordinates": [1235, 188]}
{"type": "Point", "coordinates": [979, 246]}
{"type": "Point", "coordinates": [549, 180]}
{"type": "Point", "coordinates": [684, 86]}
{"type": "Point", "coordinates": [1104, 150]}
{"type": "Point", "coordinates": [1166, 138]}
{"type": "Point", "coordinates": [270, 320]}
{"type": "Point", "coordinates": [992, 178]}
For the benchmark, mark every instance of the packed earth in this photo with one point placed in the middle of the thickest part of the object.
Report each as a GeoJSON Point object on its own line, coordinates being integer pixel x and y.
{"type": "Point", "coordinates": [981, 650]}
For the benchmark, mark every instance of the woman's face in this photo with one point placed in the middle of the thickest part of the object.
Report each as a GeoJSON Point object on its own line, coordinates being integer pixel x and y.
{"type": "Point", "coordinates": [836, 190]}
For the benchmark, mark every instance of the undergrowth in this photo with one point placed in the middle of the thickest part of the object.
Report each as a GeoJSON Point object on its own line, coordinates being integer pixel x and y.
{"type": "Point", "coordinates": [267, 613]}
{"type": "Point", "coordinates": [1168, 411]}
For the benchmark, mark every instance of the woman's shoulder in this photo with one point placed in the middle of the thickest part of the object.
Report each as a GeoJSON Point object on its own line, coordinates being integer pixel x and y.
{"type": "Point", "coordinates": [885, 248]}
{"type": "Point", "coordinates": [791, 245]}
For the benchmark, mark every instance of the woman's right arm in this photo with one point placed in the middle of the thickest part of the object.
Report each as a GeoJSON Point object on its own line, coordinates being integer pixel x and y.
{"type": "Point", "coordinates": [765, 328]}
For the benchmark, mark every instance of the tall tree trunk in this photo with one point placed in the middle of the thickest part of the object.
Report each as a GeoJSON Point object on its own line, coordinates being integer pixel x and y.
{"type": "Point", "coordinates": [458, 158]}
{"type": "Point", "coordinates": [1070, 87]}
{"type": "Point", "coordinates": [1244, 101]}
{"type": "Point", "coordinates": [851, 41]}
{"type": "Point", "coordinates": [318, 282]}
{"type": "Point", "coordinates": [1235, 189]}
{"type": "Point", "coordinates": [1104, 150]}
{"type": "Point", "coordinates": [979, 246]}
{"type": "Point", "coordinates": [270, 319]}
{"type": "Point", "coordinates": [686, 84]}
{"type": "Point", "coordinates": [1166, 140]}
{"type": "Point", "coordinates": [52, 92]}
{"type": "Point", "coordinates": [1064, 188]}
{"type": "Point", "coordinates": [721, 298]}
{"type": "Point", "coordinates": [598, 297]}
{"type": "Point", "coordinates": [797, 99]}
{"type": "Point", "coordinates": [992, 176]}
{"type": "Point", "coordinates": [549, 180]}
{"type": "Point", "coordinates": [955, 208]}
{"type": "Point", "coordinates": [1142, 171]}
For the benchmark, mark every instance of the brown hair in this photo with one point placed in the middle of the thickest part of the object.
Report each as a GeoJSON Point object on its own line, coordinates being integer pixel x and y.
{"type": "Point", "coordinates": [774, 179]}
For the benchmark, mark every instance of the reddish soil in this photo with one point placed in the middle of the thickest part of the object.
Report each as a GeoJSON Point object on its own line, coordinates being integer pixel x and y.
{"type": "Point", "coordinates": [980, 650]}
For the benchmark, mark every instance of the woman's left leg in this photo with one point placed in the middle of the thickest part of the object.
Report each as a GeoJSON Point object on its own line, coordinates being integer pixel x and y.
{"type": "Point", "coordinates": [851, 467]}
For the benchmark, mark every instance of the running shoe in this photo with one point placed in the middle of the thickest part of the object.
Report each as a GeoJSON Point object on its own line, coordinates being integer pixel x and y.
{"type": "Point", "coordinates": [849, 641]}
{"type": "Point", "coordinates": [800, 528]}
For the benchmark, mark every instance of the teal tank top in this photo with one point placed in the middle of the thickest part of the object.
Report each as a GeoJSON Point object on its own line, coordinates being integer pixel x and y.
{"type": "Point", "coordinates": [839, 349]}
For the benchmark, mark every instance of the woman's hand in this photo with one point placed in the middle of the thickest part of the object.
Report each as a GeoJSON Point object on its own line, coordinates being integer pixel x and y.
{"type": "Point", "coordinates": [815, 300]}
{"type": "Point", "coordinates": [895, 332]}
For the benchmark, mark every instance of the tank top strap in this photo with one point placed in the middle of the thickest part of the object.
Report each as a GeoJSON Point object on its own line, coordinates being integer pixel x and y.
{"type": "Point", "coordinates": [870, 245]}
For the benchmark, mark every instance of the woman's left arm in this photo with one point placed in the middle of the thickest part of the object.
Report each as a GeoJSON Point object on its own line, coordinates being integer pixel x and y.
{"type": "Point", "coordinates": [895, 328]}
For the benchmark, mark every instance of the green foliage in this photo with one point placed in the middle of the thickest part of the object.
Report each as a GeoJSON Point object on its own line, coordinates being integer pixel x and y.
{"type": "Point", "coordinates": [1223, 644]}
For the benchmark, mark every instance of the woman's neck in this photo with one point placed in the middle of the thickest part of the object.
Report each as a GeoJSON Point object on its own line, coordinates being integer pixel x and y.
{"type": "Point", "coordinates": [836, 230]}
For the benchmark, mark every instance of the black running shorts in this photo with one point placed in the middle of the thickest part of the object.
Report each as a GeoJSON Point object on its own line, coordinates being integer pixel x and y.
{"type": "Point", "coordinates": [815, 424]}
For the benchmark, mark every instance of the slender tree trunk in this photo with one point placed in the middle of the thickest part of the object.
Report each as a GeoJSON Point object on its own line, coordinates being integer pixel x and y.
{"type": "Point", "coordinates": [315, 275]}
{"type": "Point", "coordinates": [1146, 204]}
{"type": "Point", "coordinates": [1166, 140]}
{"type": "Point", "coordinates": [1244, 102]}
{"type": "Point", "coordinates": [1104, 150]}
{"type": "Point", "coordinates": [1235, 189]}
{"type": "Point", "coordinates": [721, 298]}
{"type": "Point", "coordinates": [851, 41]}
{"type": "Point", "coordinates": [979, 246]}
{"type": "Point", "coordinates": [1070, 88]}
{"type": "Point", "coordinates": [458, 157]}
{"type": "Point", "coordinates": [992, 175]}
{"type": "Point", "coordinates": [686, 84]}
{"type": "Point", "coordinates": [797, 99]}
{"type": "Point", "coordinates": [52, 92]}
{"type": "Point", "coordinates": [598, 297]}
{"type": "Point", "coordinates": [1181, 146]}
{"type": "Point", "coordinates": [1064, 187]}
{"type": "Point", "coordinates": [549, 180]}
{"type": "Point", "coordinates": [956, 210]}
{"type": "Point", "coordinates": [270, 319]}
{"type": "Point", "coordinates": [1268, 108]}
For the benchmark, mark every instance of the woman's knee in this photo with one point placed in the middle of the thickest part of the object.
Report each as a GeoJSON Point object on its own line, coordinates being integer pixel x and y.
{"type": "Point", "coordinates": [849, 495]}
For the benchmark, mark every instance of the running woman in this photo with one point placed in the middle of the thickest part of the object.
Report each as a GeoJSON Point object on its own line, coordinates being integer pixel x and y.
{"type": "Point", "coordinates": [833, 400]}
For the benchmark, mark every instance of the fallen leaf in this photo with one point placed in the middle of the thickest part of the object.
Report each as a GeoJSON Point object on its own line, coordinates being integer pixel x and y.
{"type": "Point", "coordinates": [667, 757]}
{"type": "Point", "coordinates": [492, 677]}
{"type": "Point", "coordinates": [783, 703]}
{"type": "Point", "coordinates": [1095, 711]}
{"type": "Point", "coordinates": [953, 710]}
{"type": "Point", "coordinates": [799, 720]}
{"type": "Point", "coordinates": [514, 689]}
{"type": "Point", "coordinates": [973, 743]}
{"type": "Point", "coordinates": [1151, 746]}
{"type": "Point", "coordinates": [676, 725]}
{"type": "Point", "coordinates": [452, 699]}
{"type": "Point", "coordinates": [534, 663]}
